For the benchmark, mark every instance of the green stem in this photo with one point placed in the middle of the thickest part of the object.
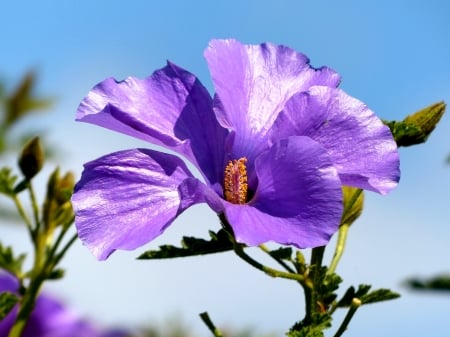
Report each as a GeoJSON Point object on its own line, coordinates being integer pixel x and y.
{"type": "Point", "coordinates": [340, 246]}
{"type": "Point", "coordinates": [60, 255]}
{"type": "Point", "coordinates": [238, 249]}
{"type": "Point", "coordinates": [58, 241]}
{"type": "Point", "coordinates": [26, 307]}
{"type": "Point", "coordinates": [280, 262]}
{"type": "Point", "coordinates": [312, 283]}
{"type": "Point", "coordinates": [356, 303]}
{"type": "Point", "coordinates": [23, 215]}
{"type": "Point", "coordinates": [35, 207]}
{"type": "Point", "coordinates": [269, 271]}
{"type": "Point", "coordinates": [215, 331]}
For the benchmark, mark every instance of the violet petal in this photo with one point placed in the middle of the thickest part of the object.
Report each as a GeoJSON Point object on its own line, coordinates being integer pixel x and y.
{"type": "Point", "coordinates": [253, 82]}
{"type": "Point", "coordinates": [127, 198]}
{"type": "Point", "coordinates": [361, 146]}
{"type": "Point", "coordinates": [298, 200]}
{"type": "Point", "coordinates": [170, 108]}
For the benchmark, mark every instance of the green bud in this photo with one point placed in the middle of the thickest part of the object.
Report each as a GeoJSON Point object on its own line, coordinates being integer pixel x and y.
{"type": "Point", "coordinates": [31, 158]}
{"type": "Point", "coordinates": [426, 119]}
{"type": "Point", "coordinates": [65, 188]}
{"type": "Point", "coordinates": [353, 204]}
{"type": "Point", "coordinates": [416, 128]}
{"type": "Point", "coordinates": [57, 208]}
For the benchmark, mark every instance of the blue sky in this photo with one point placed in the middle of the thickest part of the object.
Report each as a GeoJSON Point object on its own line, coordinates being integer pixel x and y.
{"type": "Point", "coordinates": [393, 55]}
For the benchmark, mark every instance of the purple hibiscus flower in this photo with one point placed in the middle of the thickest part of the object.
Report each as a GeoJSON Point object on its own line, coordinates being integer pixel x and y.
{"type": "Point", "coordinates": [274, 146]}
{"type": "Point", "coordinates": [50, 318]}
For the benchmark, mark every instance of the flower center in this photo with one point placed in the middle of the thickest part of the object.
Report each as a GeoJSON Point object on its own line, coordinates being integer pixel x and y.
{"type": "Point", "coordinates": [235, 181]}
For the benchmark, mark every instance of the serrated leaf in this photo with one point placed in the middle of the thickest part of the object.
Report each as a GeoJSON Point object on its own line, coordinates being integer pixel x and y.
{"type": "Point", "coordinates": [191, 246]}
{"type": "Point", "coordinates": [7, 302]}
{"type": "Point", "coordinates": [282, 253]}
{"type": "Point", "coordinates": [313, 328]}
{"type": "Point", "coordinates": [7, 180]}
{"type": "Point", "coordinates": [379, 295]}
{"type": "Point", "coordinates": [363, 289]}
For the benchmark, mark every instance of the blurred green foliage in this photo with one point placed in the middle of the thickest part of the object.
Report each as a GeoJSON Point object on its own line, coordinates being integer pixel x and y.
{"type": "Point", "coordinates": [16, 105]}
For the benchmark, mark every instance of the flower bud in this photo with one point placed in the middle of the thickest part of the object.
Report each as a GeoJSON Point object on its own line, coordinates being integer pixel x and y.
{"type": "Point", "coordinates": [31, 158]}
{"type": "Point", "coordinates": [420, 124]}
{"type": "Point", "coordinates": [353, 204]}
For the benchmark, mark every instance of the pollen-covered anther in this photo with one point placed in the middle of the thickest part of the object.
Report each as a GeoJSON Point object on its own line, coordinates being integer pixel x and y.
{"type": "Point", "coordinates": [235, 181]}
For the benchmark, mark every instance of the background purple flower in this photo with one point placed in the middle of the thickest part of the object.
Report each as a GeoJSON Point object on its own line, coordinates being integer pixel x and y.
{"type": "Point", "coordinates": [300, 137]}
{"type": "Point", "coordinates": [50, 318]}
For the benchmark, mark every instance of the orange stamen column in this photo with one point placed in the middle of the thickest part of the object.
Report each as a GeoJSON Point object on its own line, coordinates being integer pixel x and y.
{"type": "Point", "coordinates": [235, 181]}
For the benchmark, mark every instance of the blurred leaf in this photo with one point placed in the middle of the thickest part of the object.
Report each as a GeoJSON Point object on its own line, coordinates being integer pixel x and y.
{"type": "Point", "coordinates": [22, 102]}
{"type": "Point", "coordinates": [9, 262]}
{"type": "Point", "coordinates": [191, 246]}
{"type": "Point", "coordinates": [441, 283]}
{"type": "Point", "coordinates": [7, 302]}
{"type": "Point", "coordinates": [416, 128]}
{"type": "Point", "coordinates": [7, 181]}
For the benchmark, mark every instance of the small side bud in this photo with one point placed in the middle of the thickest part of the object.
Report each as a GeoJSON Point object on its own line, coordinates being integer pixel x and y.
{"type": "Point", "coordinates": [31, 158]}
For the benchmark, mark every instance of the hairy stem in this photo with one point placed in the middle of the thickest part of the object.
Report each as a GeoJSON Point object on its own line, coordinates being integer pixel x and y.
{"type": "Point", "coordinates": [356, 303]}
{"type": "Point", "coordinates": [215, 331]}
{"type": "Point", "coordinates": [340, 246]}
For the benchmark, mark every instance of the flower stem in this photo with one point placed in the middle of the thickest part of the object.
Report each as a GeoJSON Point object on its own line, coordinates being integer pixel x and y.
{"type": "Point", "coordinates": [269, 271]}
{"type": "Point", "coordinates": [340, 246]}
{"type": "Point", "coordinates": [356, 303]}
{"type": "Point", "coordinates": [239, 250]}
{"type": "Point", "coordinates": [35, 207]}
{"type": "Point", "coordinates": [215, 331]}
{"type": "Point", "coordinates": [280, 262]}
{"type": "Point", "coordinates": [23, 215]}
{"type": "Point", "coordinates": [311, 284]}
{"type": "Point", "coordinates": [26, 307]}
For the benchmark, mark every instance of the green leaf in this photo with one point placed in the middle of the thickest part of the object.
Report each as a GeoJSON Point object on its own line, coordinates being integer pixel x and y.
{"type": "Point", "coordinates": [7, 302]}
{"type": "Point", "coordinates": [56, 274]}
{"type": "Point", "coordinates": [191, 246]}
{"type": "Point", "coordinates": [379, 295]}
{"type": "Point", "coordinates": [7, 181]}
{"type": "Point", "coordinates": [282, 253]}
{"type": "Point", "coordinates": [9, 262]}
{"type": "Point", "coordinates": [314, 328]}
